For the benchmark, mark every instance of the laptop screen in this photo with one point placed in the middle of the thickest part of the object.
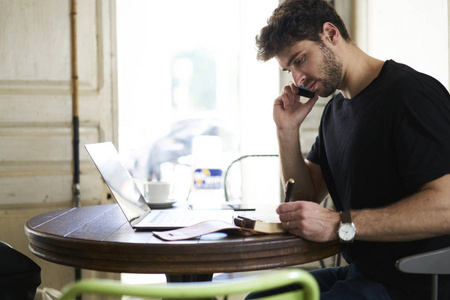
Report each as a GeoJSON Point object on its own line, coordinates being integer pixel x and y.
{"type": "Point", "coordinates": [118, 179]}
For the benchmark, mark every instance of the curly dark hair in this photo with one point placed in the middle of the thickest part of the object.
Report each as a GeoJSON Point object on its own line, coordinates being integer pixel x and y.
{"type": "Point", "coordinates": [293, 21]}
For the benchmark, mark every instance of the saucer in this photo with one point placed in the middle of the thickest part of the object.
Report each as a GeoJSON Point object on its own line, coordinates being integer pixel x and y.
{"type": "Point", "coordinates": [167, 204]}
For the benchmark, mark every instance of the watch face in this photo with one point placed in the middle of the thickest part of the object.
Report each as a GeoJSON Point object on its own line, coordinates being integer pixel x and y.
{"type": "Point", "coordinates": [347, 232]}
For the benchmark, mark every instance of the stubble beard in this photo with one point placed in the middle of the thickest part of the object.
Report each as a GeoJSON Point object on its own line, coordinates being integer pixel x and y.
{"type": "Point", "coordinates": [331, 67]}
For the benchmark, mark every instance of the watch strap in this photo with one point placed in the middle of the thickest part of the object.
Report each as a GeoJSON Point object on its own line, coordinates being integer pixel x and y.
{"type": "Point", "coordinates": [346, 217]}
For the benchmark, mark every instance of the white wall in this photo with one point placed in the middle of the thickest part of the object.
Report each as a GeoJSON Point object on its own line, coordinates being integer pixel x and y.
{"type": "Point", "coordinates": [414, 32]}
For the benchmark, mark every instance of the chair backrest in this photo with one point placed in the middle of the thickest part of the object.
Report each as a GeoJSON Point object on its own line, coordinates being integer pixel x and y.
{"type": "Point", "coordinates": [258, 164]}
{"type": "Point", "coordinates": [196, 290]}
{"type": "Point", "coordinates": [19, 275]}
{"type": "Point", "coordinates": [433, 262]}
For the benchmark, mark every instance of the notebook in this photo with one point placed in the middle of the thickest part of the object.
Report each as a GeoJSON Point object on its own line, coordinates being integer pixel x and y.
{"type": "Point", "coordinates": [132, 202]}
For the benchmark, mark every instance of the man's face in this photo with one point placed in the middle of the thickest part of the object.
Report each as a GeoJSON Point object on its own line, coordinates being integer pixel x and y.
{"type": "Point", "coordinates": [312, 65]}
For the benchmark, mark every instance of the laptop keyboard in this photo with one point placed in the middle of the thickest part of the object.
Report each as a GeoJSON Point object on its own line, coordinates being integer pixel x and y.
{"type": "Point", "coordinates": [180, 218]}
{"type": "Point", "coordinates": [174, 217]}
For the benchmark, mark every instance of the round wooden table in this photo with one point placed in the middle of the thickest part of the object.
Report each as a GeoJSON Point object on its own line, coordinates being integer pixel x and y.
{"type": "Point", "coordinates": [100, 238]}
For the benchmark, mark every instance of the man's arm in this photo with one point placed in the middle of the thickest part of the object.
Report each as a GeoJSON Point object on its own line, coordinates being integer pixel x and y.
{"type": "Point", "coordinates": [309, 182]}
{"type": "Point", "coordinates": [289, 113]}
{"type": "Point", "coordinates": [424, 214]}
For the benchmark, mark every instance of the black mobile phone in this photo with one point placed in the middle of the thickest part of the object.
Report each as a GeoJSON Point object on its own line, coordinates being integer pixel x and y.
{"type": "Point", "coordinates": [305, 92]}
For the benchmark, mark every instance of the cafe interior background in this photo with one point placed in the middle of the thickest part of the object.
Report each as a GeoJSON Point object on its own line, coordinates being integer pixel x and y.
{"type": "Point", "coordinates": [175, 85]}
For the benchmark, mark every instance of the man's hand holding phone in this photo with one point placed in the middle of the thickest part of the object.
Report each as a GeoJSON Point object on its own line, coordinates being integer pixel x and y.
{"type": "Point", "coordinates": [288, 110]}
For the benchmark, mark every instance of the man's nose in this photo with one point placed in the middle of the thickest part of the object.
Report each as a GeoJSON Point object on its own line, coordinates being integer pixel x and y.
{"type": "Point", "coordinates": [298, 78]}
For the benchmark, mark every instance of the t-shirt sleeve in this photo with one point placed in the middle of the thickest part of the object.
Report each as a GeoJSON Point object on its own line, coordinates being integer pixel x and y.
{"type": "Point", "coordinates": [313, 154]}
{"type": "Point", "coordinates": [422, 134]}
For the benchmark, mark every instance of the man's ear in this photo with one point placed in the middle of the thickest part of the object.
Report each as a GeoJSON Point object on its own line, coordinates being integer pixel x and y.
{"type": "Point", "coordinates": [330, 33]}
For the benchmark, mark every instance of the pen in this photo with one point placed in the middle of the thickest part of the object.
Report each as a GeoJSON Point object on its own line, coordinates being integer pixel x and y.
{"type": "Point", "coordinates": [289, 188]}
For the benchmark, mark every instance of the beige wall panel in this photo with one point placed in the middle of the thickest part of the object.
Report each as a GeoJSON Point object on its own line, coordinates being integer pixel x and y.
{"type": "Point", "coordinates": [53, 110]}
{"type": "Point", "coordinates": [43, 144]}
{"type": "Point", "coordinates": [35, 109]}
{"type": "Point", "coordinates": [40, 60]}
{"type": "Point", "coordinates": [36, 112]}
{"type": "Point", "coordinates": [58, 191]}
{"type": "Point", "coordinates": [93, 107]}
{"type": "Point", "coordinates": [42, 53]}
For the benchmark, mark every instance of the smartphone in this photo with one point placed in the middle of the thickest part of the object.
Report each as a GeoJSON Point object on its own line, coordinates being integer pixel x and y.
{"type": "Point", "coordinates": [305, 92]}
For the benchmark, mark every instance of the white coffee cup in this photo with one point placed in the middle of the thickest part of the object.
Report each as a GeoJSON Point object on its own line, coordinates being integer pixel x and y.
{"type": "Point", "coordinates": [157, 191]}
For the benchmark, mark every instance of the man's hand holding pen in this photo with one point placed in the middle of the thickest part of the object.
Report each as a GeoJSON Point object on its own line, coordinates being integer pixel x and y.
{"type": "Point", "coordinates": [307, 219]}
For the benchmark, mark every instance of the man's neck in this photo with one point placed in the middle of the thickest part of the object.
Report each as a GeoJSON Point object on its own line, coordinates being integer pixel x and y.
{"type": "Point", "coordinates": [360, 70]}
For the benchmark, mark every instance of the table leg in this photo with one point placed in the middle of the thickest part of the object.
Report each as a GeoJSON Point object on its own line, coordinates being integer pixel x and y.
{"type": "Point", "coordinates": [189, 277]}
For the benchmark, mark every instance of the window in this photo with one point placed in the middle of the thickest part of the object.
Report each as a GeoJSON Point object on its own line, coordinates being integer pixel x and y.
{"type": "Point", "coordinates": [189, 69]}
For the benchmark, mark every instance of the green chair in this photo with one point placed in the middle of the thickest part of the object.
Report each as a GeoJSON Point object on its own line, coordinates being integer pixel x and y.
{"type": "Point", "coordinates": [198, 290]}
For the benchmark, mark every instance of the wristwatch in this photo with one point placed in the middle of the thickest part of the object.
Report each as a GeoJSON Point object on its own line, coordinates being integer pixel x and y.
{"type": "Point", "coordinates": [347, 229]}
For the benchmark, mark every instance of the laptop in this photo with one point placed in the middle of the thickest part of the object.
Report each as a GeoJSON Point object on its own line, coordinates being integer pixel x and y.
{"type": "Point", "coordinates": [132, 202]}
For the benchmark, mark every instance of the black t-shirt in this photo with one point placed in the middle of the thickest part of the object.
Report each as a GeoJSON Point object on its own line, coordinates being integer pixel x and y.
{"type": "Point", "coordinates": [379, 147]}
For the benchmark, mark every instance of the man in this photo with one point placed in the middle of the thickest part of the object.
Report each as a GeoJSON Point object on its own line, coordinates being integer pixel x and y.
{"type": "Point", "coordinates": [382, 154]}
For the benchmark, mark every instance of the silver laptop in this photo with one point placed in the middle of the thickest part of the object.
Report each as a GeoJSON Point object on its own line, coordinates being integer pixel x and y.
{"type": "Point", "coordinates": [131, 201]}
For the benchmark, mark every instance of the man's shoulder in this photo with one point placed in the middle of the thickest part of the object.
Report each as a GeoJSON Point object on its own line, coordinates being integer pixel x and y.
{"type": "Point", "coordinates": [404, 75]}
{"type": "Point", "coordinates": [336, 100]}
{"type": "Point", "coordinates": [405, 82]}
{"type": "Point", "coordinates": [400, 73]}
